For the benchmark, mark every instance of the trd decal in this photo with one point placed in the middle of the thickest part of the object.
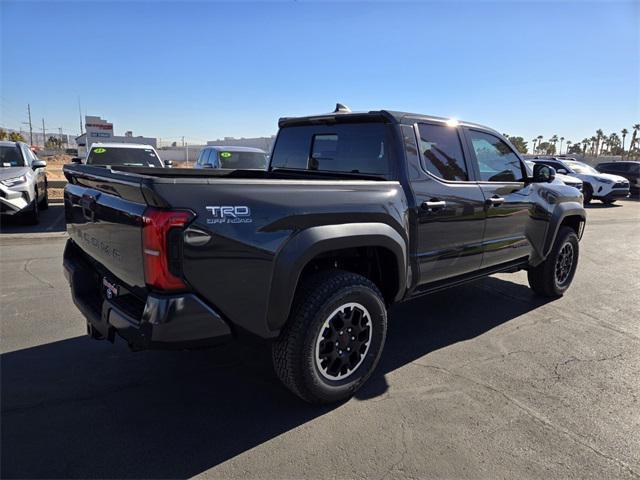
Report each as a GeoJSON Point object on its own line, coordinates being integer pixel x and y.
{"type": "Point", "coordinates": [229, 214]}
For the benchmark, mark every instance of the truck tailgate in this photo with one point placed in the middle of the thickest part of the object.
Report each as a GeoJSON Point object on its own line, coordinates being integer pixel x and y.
{"type": "Point", "coordinates": [105, 220]}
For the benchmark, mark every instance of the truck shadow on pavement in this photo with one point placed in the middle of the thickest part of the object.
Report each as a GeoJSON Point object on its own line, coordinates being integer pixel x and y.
{"type": "Point", "coordinates": [81, 408]}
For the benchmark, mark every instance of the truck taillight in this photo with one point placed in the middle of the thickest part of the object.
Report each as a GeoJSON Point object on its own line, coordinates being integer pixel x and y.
{"type": "Point", "coordinates": [159, 247]}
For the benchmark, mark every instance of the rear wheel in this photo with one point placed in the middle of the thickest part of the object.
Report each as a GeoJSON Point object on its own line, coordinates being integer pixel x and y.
{"type": "Point", "coordinates": [333, 339]}
{"type": "Point", "coordinates": [554, 276]}
{"type": "Point", "coordinates": [608, 201]}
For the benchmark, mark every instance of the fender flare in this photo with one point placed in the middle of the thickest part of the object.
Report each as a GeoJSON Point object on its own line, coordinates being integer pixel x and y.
{"type": "Point", "coordinates": [562, 211]}
{"type": "Point", "coordinates": [307, 244]}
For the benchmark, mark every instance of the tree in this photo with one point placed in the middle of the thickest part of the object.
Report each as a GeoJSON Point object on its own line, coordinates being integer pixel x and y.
{"type": "Point", "coordinates": [53, 142]}
{"type": "Point", "coordinates": [547, 148]}
{"type": "Point", "coordinates": [585, 144]}
{"type": "Point", "coordinates": [561, 142]}
{"type": "Point", "coordinates": [519, 143]}
{"type": "Point", "coordinates": [634, 136]}
{"type": "Point", "coordinates": [16, 137]}
{"type": "Point", "coordinates": [599, 136]}
{"type": "Point", "coordinates": [553, 140]}
{"type": "Point", "coordinates": [594, 145]}
{"type": "Point", "coordinates": [539, 140]}
{"type": "Point", "coordinates": [3, 134]}
{"type": "Point", "coordinates": [534, 145]}
{"type": "Point", "coordinates": [624, 133]}
{"type": "Point", "coordinates": [569, 143]}
{"type": "Point", "coordinates": [575, 148]}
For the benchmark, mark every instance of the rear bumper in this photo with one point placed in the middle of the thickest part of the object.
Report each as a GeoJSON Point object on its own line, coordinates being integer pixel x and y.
{"type": "Point", "coordinates": [166, 321]}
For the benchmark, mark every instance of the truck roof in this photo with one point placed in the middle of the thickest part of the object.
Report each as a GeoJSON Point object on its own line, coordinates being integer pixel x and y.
{"type": "Point", "coordinates": [230, 148]}
{"type": "Point", "coordinates": [390, 116]}
{"type": "Point", "coordinates": [121, 145]}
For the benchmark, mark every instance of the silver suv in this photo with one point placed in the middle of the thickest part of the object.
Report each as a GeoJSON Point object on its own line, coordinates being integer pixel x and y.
{"type": "Point", "coordinates": [23, 181]}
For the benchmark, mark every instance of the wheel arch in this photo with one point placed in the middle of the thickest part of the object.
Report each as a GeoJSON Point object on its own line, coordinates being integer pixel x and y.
{"type": "Point", "coordinates": [317, 247]}
{"type": "Point", "coordinates": [571, 215]}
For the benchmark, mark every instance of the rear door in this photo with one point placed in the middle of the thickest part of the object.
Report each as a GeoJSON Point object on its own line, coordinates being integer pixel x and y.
{"type": "Point", "coordinates": [501, 176]}
{"type": "Point", "coordinates": [450, 205]}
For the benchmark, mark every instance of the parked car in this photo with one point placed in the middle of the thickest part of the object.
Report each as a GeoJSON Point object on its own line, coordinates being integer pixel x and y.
{"type": "Point", "coordinates": [560, 178]}
{"type": "Point", "coordinates": [599, 186]}
{"type": "Point", "coordinates": [234, 158]}
{"type": "Point", "coordinates": [123, 154]}
{"type": "Point", "coordinates": [628, 169]}
{"type": "Point", "coordinates": [357, 211]}
{"type": "Point", "coordinates": [23, 182]}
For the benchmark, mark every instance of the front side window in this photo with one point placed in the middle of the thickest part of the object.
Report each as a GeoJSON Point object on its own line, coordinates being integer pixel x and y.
{"type": "Point", "coordinates": [442, 152]}
{"type": "Point", "coordinates": [581, 168]}
{"type": "Point", "coordinates": [496, 161]}
{"type": "Point", "coordinates": [351, 148]}
{"type": "Point", "coordinates": [132, 157]}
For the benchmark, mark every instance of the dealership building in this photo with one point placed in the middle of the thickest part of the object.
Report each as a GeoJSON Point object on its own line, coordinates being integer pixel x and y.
{"type": "Point", "coordinates": [99, 130]}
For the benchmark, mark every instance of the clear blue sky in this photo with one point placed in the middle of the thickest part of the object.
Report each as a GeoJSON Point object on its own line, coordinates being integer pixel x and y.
{"type": "Point", "coordinates": [209, 69]}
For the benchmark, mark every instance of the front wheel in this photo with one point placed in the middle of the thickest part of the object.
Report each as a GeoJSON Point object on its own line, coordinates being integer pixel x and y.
{"type": "Point", "coordinates": [587, 193]}
{"type": "Point", "coordinates": [334, 338]}
{"type": "Point", "coordinates": [32, 217]}
{"type": "Point", "coordinates": [553, 276]}
{"type": "Point", "coordinates": [608, 201]}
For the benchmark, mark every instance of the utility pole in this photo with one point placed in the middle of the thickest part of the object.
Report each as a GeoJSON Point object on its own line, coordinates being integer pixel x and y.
{"type": "Point", "coordinates": [80, 115]}
{"type": "Point", "coordinates": [30, 126]}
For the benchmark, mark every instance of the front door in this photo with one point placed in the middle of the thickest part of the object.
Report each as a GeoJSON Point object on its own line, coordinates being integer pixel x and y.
{"type": "Point", "coordinates": [501, 176]}
{"type": "Point", "coordinates": [450, 206]}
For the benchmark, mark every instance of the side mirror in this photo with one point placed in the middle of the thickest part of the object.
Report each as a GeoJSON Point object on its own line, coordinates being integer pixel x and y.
{"type": "Point", "coordinates": [168, 163]}
{"type": "Point", "coordinates": [543, 173]}
{"type": "Point", "coordinates": [76, 160]}
{"type": "Point", "coordinates": [38, 164]}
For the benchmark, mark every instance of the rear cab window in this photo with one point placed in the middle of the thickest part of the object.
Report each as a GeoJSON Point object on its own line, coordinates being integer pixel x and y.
{"type": "Point", "coordinates": [131, 157]}
{"type": "Point", "coordinates": [341, 148]}
{"type": "Point", "coordinates": [441, 152]}
{"type": "Point", "coordinates": [239, 160]}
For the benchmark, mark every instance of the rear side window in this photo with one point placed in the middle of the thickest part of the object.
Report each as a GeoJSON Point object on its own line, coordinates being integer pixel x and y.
{"type": "Point", "coordinates": [496, 160]}
{"type": "Point", "coordinates": [134, 157]}
{"type": "Point", "coordinates": [353, 148]}
{"type": "Point", "coordinates": [442, 152]}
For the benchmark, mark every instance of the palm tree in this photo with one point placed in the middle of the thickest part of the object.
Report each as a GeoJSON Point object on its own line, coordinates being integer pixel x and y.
{"type": "Point", "coordinates": [569, 143]}
{"type": "Point", "coordinates": [599, 136]}
{"type": "Point", "coordinates": [561, 142]}
{"type": "Point", "coordinates": [534, 144]}
{"type": "Point", "coordinates": [554, 140]}
{"type": "Point", "coordinates": [624, 133]}
{"type": "Point", "coordinates": [634, 136]}
{"type": "Point", "coordinates": [585, 144]}
{"type": "Point", "coordinates": [594, 145]}
{"type": "Point", "coordinates": [539, 140]}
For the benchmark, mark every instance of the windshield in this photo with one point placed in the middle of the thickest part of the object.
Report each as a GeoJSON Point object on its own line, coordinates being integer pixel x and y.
{"type": "Point", "coordinates": [134, 157]}
{"type": "Point", "coordinates": [243, 160]}
{"type": "Point", "coordinates": [10, 156]}
{"type": "Point", "coordinates": [579, 167]}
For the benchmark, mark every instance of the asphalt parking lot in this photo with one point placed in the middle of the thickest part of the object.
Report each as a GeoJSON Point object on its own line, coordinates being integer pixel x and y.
{"type": "Point", "coordinates": [482, 381]}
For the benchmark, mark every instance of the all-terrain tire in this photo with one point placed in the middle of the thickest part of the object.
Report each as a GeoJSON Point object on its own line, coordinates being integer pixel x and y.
{"type": "Point", "coordinates": [316, 309]}
{"type": "Point", "coordinates": [554, 276]}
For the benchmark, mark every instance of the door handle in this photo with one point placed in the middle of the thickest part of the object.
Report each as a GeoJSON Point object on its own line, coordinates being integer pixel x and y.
{"type": "Point", "coordinates": [434, 205]}
{"type": "Point", "coordinates": [495, 201]}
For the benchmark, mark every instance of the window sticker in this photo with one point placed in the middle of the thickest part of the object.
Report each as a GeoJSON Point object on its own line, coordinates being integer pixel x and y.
{"type": "Point", "coordinates": [225, 154]}
{"type": "Point", "coordinates": [99, 150]}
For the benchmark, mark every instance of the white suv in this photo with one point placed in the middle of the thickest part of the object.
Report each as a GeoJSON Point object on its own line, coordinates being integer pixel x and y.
{"type": "Point", "coordinates": [600, 186]}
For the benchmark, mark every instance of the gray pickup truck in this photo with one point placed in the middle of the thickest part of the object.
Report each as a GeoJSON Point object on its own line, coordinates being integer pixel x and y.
{"type": "Point", "coordinates": [355, 212]}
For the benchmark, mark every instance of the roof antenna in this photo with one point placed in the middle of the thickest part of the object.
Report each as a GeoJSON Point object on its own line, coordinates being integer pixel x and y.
{"type": "Point", "coordinates": [340, 108]}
